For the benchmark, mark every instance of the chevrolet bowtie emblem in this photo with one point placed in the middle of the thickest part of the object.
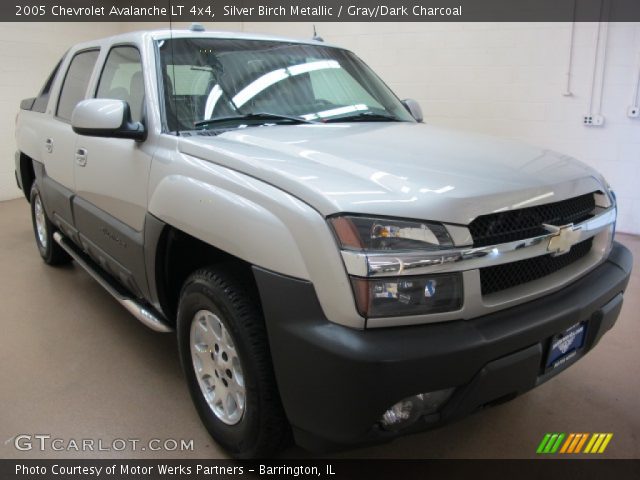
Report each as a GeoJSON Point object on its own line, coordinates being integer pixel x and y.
{"type": "Point", "coordinates": [563, 239]}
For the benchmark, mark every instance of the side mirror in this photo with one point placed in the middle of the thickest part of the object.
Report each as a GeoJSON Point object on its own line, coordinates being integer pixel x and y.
{"type": "Point", "coordinates": [414, 109]}
{"type": "Point", "coordinates": [104, 117]}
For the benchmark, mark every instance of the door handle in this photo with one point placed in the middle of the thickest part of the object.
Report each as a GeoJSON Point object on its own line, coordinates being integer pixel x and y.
{"type": "Point", "coordinates": [81, 156]}
{"type": "Point", "coordinates": [48, 145]}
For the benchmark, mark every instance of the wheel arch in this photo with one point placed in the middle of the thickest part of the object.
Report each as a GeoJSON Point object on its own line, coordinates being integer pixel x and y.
{"type": "Point", "coordinates": [176, 256]}
{"type": "Point", "coordinates": [27, 174]}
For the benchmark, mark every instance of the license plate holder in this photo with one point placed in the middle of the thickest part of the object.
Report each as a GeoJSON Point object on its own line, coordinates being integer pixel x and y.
{"type": "Point", "coordinates": [565, 346]}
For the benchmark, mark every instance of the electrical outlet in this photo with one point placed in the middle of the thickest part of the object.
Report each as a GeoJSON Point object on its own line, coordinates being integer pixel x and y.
{"type": "Point", "coordinates": [633, 111]}
{"type": "Point", "coordinates": [593, 120]}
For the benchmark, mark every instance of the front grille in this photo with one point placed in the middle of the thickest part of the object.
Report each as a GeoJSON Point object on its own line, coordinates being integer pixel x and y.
{"type": "Point", "coordinates": [501, 277]}
{"type": "Point", "coordinates": [514, 225]}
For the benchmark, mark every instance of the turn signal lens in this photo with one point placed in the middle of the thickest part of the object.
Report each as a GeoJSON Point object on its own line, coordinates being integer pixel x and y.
{"type": "Point", "coordinates": [375, 234]}
{"type": "Point", "coordinates": [396, 296]}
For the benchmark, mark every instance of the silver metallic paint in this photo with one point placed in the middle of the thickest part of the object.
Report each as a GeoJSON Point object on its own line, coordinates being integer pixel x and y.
{"type": "Point", "coordinates": [98, 113]}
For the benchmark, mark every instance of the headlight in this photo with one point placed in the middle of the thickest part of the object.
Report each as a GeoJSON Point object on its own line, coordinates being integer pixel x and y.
{"type": "Point", "coordinates": [375, 234]}
{"type": "Point", "coordinates": [401, 295]}
{"type": "Point", "coordinates": [397, 296]}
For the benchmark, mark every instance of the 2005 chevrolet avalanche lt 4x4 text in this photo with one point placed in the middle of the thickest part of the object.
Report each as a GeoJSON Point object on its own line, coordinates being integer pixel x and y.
{"type": "Point", "coordinates": [337, 271]}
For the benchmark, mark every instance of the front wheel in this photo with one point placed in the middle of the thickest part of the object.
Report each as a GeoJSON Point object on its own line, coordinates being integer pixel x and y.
{"type": "Point", "coordinates": [225, 355]}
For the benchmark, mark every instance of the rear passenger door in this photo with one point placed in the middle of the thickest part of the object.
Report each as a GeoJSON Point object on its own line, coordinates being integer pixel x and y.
{"type": "Point", "coordinates": [58, 138]}
{"type": "Point", "coordinates": [111, 176]}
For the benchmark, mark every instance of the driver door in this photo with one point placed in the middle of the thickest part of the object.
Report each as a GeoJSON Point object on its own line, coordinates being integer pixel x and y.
{"type": "Point", "coordinates": [111, 176]}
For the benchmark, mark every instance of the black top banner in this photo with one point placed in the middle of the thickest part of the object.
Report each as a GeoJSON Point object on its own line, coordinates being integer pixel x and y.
{"type": "Point", "coordinates": [320, 10]}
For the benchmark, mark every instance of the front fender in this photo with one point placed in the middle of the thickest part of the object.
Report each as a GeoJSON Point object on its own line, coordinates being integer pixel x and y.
{"type": "Point", "coordinates": [254, 221]}
{"type": "Point", "coordinates": [229, 222]}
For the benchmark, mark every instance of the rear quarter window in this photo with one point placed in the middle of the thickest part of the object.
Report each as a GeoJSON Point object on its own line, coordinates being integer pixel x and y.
{"type": "Point", "coordinates": [40, 104]}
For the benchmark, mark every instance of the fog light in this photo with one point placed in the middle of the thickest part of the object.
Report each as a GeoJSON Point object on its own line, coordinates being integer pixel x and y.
{"type": "Point", "coordinates": [402, 414]}
{"type": "Point", "coordinates": [407, 411]}
{"type": "Point", "coordinates": [411, 295]}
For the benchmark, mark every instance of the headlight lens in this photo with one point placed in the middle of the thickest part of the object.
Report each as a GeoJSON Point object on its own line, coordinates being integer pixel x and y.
{"type": "Point", "coordinates": [379, 234]}
{"type": "Point", "coordinates": [404, 295]}
{"type": "Point", "coordinates": [397, 296]}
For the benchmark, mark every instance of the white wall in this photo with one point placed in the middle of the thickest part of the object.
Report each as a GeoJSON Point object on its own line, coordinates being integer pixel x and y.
{"type": "Point", "coordinates": [507, 79]}
{"type": "Point", "coordinates": [504, 79]}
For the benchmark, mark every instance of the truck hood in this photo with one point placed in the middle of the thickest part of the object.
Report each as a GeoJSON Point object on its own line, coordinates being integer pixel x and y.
{"type": "Point", "coordinates": [403, 169]}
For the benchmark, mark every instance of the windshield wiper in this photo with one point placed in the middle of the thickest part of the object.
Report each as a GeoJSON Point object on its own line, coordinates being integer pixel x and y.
{"type": "Point", "coordinates": [264, 116]}
{"type": "Point", "coordinates": [364, 117]}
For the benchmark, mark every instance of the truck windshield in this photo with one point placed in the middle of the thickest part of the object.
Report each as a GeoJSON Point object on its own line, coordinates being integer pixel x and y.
{"type": "Point", "coordinates": [252, 82]}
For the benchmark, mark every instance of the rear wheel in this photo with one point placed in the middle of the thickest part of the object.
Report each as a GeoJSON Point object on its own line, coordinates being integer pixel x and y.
{"type": "Point", "coordinates": [50, 251]}
{"type": "Point", "coordinates": [225, 355]}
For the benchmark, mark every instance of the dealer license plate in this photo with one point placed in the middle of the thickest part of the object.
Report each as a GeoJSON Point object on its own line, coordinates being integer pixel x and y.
{"type": "Point", "coordinates": [565, 345]}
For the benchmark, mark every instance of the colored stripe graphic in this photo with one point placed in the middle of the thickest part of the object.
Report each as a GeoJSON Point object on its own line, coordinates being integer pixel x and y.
{"type": "Point", "coordinates": [567, 442]}
{"type": "Point", "coordinates": [598, 442]}
{"type": "Point", "coordinates": [570, 444]}
{"type": "Point", "coordinates": [582, 442]}
{"type": "Point", "coordinates": [552, 440]}
{"type": "Point", "coordinates": [550, 443]}
{"type": "Point", "coordinates": [592, 440]}
{"type": "Point", "coordinates": [577, 443]}
{"type": "Point", "coordinates": [544, 441]}
{"type": "Point", "coordinates": [596, 445]}
{"type": "Point", "coordinates": [573, 442]}
{"type": "Point", "coordinates": [555, 447]}
{"type": "Point", "coordinates": [605, 442]}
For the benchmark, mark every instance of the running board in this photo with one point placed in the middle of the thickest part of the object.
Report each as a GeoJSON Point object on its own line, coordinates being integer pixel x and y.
{"type": "Point", "coordinates": [137, 309]}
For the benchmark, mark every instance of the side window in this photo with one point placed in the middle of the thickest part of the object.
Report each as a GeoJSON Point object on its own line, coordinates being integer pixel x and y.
{"type": "Point", "coordinates": [76, 82]}
{"type": "Point", "coordinates": [40, 105]}
{"type": "Point", "coordinates": [122, 79]}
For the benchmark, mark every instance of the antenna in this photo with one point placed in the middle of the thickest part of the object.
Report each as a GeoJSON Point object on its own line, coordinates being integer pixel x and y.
{"type": "Point", "coordinates": [173, 71]}
{"type": "Point", "coordinates": [316, 37]}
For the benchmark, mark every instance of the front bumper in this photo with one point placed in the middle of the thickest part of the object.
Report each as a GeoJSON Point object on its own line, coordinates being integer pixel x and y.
{"type": "Point", "coordinates": [336, 382]}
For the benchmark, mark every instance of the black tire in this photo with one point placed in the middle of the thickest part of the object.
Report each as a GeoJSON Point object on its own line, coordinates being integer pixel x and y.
{"type": "Point", "coordinates": [263, 429]}
{"type": "Point", "coordinates": [50, 251]}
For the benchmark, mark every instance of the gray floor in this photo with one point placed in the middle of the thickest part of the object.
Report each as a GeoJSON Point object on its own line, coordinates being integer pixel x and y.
{"type": "Point", "coordinates": [74, 364]}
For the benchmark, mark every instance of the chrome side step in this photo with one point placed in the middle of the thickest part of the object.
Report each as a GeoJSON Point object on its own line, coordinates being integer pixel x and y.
{"type": "Point", "coordinates": [137, 309]}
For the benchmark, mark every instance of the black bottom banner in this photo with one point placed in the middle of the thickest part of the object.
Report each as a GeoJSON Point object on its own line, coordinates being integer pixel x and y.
{"type": "Point", "coordinates": [327, 469]}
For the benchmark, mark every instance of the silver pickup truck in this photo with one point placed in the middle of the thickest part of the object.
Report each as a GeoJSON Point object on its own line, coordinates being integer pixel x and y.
{"type": "Point", "coordinates": [337, 272]}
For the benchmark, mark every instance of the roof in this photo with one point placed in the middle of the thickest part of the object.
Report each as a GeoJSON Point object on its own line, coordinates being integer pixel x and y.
{"type": "Point", "coordinates": [185, 33]}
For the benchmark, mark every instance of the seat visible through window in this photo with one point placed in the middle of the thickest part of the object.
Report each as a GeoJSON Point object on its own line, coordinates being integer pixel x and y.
{"type": "Point", "coordinates": [122, 79]}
